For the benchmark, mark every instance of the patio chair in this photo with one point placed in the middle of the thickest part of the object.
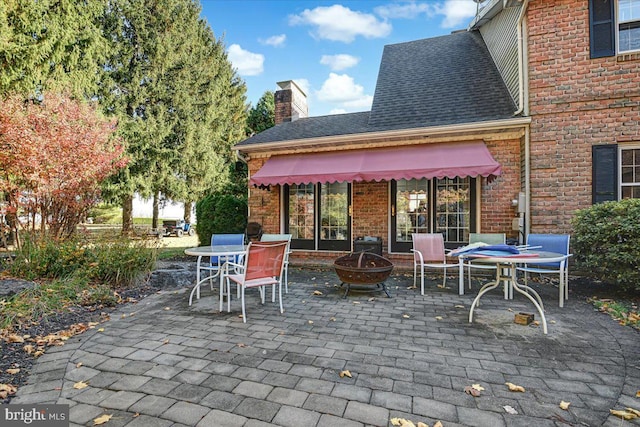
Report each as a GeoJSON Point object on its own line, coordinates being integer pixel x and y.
{"type": "Point", "coordinates": [488, 238]}
{"type": "Point", "coordinates": [266, 237]}
{"type": "Point", "coordinates": [263, 266]}
{"type": "Point", "coordinates": [558, 243]}
{"type": "Point", "coordinates": [216, 262]}
{"type": "Point", "coordinates": [429, 252]}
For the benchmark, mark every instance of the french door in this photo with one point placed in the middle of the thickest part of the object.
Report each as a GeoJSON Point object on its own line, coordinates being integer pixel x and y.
{"type": "Point", "coordinates": [318, 216]}
{"type": "Point", "coordinates": [444, 206]}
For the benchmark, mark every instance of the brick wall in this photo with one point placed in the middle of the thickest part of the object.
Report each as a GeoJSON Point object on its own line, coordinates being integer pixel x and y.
{"type": "Point", "coordinates": [370, 201]}
{"type": "Point", "coordinates": [575, 102]}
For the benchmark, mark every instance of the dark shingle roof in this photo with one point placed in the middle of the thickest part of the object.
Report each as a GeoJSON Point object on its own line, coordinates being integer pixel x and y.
{"type": "Point", "coordinates": [439, 81]}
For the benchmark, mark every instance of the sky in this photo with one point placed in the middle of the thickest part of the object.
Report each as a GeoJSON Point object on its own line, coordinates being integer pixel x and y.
{"type": "Point", "coordinates": [332, 49]}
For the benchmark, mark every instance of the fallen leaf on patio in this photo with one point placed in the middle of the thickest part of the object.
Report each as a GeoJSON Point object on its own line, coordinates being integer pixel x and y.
{"type": "Point", "coordinates": [402, 422]}
{"type": "Point", "coordinates": [101, 420]}
{"type": "Point", "coordinates": [165, 342]}
{"type": "Point", "coordinates": [13, 371]}
{"type": "Point", "coordinates": [15, 338]}
{"type": "Point", "coordinates": [438, 317]}
{"type": "Point", "coordinates": [372, 299]}
{"type": "Point", "coordinates": [317, 293]}
{"type": "Point", "coordinates": [625, 415]}
{"type": "Point", "coordinates": [167, 308]}
{"type": "Point", "coordinates": [635, 411]}
{"type": "Point", "coordinates": [553, 322]}
{"type": "Point", "coordinates": [638, 393]}
{"type": "Point", "coordinates": [80, 385]}
{"type": "Point", "coordinates": [509, 309]}
{"type": "Point", "coordinates": [38, 353]}
{"type": "Point", "coordinates": [345, 373]}
{"type": "Point", "coordinates": [441, 286]}
{"type": "Point", "coordinates": [101, 330]}
{"type": "Point", "coordinates": [458, 306]}
{"type": "Point", "coordinates": [536, 322]}
{"type": "Point", "coordinates": [513, 387]}
{"type": "Point", "coordinates": [29, 349]}
{"type": "Point", "coordinates": [356, 302]}
{"type": "Point", "coordinates": [564, 405]}
{"type": "Point", "coordinates": [92, 324]}
{"type": "Point", "coordinates": [310, 322]}
{"type": "Point", "coordinates": [472, 391]}
{"type": "Point", "coordinates": [78, 364]}
{"type": "Point", "coordinates": [406, 316]}
{"type": "Point", "coordinates": [510, 410]}
{"type": "Point", "coordinates": [136, 415]}
{"type": "Point", "coordinates": [477, 387]}
{"type": "Point", "coordinates": [240, 316]}
{"type": "Point", "coordinates": [438, 424]}
{"type": "Point", "coordinates": [241, 345]}
{"type": "Point", "coordinates": [333, 319]}
{"type": "Point", "coordinates": [412, 287]}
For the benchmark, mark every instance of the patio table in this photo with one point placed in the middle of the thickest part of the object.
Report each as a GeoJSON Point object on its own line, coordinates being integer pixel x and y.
{"type": "Point", "coordinates": [506, 272]}
{"type": "Point", "coordinates": [221, 251]}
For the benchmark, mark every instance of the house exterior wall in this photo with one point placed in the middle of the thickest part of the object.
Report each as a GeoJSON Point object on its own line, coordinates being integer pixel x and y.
{"type": "Point", "coordinates": [501, 38]}
{"type": "Point", "coordinates": [370, 204]}
{"type": "Point", "coordinates": [575, 102]}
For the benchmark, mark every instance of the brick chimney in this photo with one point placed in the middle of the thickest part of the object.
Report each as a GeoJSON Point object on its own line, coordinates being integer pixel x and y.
{"type": "Point", "coordinates": [290, 102]}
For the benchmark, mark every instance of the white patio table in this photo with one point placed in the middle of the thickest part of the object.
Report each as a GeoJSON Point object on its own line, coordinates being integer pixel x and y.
{"type": "Point", "coordinates": [220, 251]}
{"type": "Point", "coordinates": [506, 272]}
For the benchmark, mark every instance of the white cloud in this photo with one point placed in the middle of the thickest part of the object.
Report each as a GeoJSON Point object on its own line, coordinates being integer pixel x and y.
{"type": "Point", "coordinates": [275, 41]}
{"type": "Point", "coordinates": [342, 89]}
{"type": "Point", "coordinates": [247, 63]}
{"type": "Point", "coordinates": [456, 12]}
{"type": "Point", "coordinates": [409, 10]}
{"type": "Point", "coordinates": [340, 61]}
{"type": "Point", "coordinates": [339, 23]}
{"type": "Point", "coordinates": [338, 111]}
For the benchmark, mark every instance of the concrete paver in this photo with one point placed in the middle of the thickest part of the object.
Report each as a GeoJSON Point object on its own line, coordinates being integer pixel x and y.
{"type": "Point", "coordinates": [410, 356]}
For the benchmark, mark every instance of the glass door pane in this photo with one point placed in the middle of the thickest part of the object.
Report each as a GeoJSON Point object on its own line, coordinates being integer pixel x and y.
{"type": "Point", "coordinates": [335, 230]}
{"type": "Point", "coordinates": [301, 216]}
{"type": "Point", "coordinates": [410, 212]}
{"type": "Point", "coordinates": [453, 209]}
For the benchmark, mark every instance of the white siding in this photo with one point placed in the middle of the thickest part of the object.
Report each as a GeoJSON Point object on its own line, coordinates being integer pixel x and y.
{"type": "Point", "coordinates": [501, 37]}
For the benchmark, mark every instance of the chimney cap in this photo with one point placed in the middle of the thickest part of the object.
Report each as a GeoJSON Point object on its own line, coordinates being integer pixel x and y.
{"type": "Point", "coordinates": [290, 84]}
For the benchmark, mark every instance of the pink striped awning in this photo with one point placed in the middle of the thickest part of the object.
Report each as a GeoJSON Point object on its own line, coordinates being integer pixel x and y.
{"type": "Point", "coordinates": [459, 159]}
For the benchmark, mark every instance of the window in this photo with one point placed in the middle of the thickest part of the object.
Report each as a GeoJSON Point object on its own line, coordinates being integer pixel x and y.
{"type": "Point", "coordinates": [628, 25]}
{"type": "Point", "coordinates": [432, 206]}
{"type": "Point", "coordinates": [630, 173]}
{"type": "Point", "coordinates": [610, 162]}
{"type": "Point", "coordinates": [614, 24]}
{"type": "Point", "coordinates": [317, 216]}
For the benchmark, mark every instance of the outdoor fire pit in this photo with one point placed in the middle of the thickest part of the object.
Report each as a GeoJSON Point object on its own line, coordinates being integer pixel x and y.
{"type": "Point", "coordinates": [363, 269]}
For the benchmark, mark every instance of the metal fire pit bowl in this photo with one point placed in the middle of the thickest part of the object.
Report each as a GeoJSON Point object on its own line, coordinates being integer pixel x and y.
{"type": "Point", "coordinates": [363, 268]}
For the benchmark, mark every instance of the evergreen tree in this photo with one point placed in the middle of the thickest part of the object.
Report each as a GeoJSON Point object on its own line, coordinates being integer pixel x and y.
{"type": "Point", "coordinates": [51, 45]}
{"type": "Point", "coordinates": [263, 115]}
{"type": "Point", "coordinates": [180, 103]}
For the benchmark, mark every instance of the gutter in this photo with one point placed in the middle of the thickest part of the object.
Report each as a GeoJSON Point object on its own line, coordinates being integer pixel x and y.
{"type": "Point", "coordinates": [369, 137]}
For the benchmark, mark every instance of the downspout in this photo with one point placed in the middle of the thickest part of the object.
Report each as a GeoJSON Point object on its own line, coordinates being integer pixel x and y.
{"type": "Point", "coordinates": [527, 154]}
{"type": "Point", "coordinates": [521, 64]}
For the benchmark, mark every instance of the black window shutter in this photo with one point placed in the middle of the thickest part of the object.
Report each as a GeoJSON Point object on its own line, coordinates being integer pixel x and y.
{"type": "Point", "coordinates": [604, 173]}
{"type": "Point", "coordinates": [602, 28]}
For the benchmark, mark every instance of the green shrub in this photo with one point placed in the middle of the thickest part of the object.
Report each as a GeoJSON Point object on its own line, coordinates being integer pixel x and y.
{"type": "Point", "coordinates": [606, 242]}
{"type": "Point", "coordinates": [115, 262]}
{"type": "Point", "coordinates": [220, 213]}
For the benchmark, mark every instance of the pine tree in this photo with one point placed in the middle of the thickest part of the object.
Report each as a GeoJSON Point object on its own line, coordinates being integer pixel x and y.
{"type": "Point", "coordinates": [263, 115]}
